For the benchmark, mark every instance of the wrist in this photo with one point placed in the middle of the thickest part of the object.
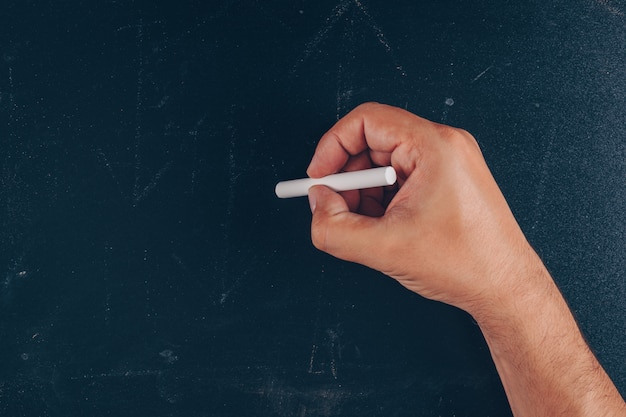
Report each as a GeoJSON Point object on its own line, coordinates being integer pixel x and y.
{"type": "Point", "coordinates": [523, 316]}
{"type": "Point", "coordinates": [541, 356]}
{"type": "Point", "coordinates": [518, 291]}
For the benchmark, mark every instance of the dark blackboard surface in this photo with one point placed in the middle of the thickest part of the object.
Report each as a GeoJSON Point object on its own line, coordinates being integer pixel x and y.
{"type": "Point", "coordinates": [148, 269]}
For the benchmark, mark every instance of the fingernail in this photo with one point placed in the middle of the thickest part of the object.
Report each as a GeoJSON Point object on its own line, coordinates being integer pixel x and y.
{"type": "Point", "coordinates": [312, 163]}
{"type": "Point", "coordinates": [312, 202]}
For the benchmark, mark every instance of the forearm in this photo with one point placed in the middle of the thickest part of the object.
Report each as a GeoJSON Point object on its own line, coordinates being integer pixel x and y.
{"type": "Point", "coordinates": [543, 360]}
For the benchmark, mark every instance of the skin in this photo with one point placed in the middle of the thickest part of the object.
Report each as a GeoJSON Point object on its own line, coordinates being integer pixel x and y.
{"type": "Point", "coordinates": [446, 232]}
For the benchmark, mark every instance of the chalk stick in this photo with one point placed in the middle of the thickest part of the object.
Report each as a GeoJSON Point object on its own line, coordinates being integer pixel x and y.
{"type": "Point", "coordinates": [353, 180]}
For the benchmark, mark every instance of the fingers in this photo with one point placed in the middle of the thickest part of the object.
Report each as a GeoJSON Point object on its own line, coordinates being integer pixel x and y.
{"type": "Point", "coordinates": [372, 129]}
{"type": "Point", "coordinates": [339, 232]}
{"type": "Point", "coordinates": [437, 230]}
{"type": "Point", "coordinates": [360, 200]}
{"type": "Point", "coordinates": [346, 139]}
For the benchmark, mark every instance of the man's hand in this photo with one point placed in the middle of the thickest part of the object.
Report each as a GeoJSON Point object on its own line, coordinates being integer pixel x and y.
{"type": "Point", "coordinates": [448, 234]}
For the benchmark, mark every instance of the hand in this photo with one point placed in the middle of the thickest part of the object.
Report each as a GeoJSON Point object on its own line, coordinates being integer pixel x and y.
{"type": "Point", "coordinates": [446, 232]}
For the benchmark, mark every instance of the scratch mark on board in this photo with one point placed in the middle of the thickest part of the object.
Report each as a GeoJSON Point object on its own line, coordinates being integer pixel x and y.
{"type": "Point", "coordinates": [119, 374]}
{"type": "Point", "coordinates": [106, 271]}
{"type": "Point", "coordinates": [226, 261]}
{"type": "Point", "coordinates": [11, 93]}
{"type": "Point", "coordinates": [312, 359]}
{"type": "Point", "coordinates": [139, 108]}
{"type": "Point", "coordinates": [482, 73]}
{"type": "Point", "coordinates": [316, 327]}
{"type": "Point", "coordinates": [195, 165]}
{"type": "Point", "coordinates": [152, 184]}
{"type": "Point", "coordinates": [140, 193]}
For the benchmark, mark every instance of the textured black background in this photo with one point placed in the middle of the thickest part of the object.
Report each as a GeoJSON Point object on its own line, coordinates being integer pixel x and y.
{"type": "Point", "coordinates": [147, 268]}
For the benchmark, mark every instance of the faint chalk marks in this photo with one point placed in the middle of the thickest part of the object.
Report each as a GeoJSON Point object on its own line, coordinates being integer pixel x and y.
{"type": "Point", "coordinates": [217, 157]}
{"type": "Point", "coordinates": [360, 14]}
{"type": "Point", "coordinates": [139, 107]}
{"type": "Point", "coordinates": [313, 45]}
{"type": "Point", "coordinates": [16, 274]}
{"type": "Point", "coordinates": [167, 384]}
{"type": "Point", "coordinates": [312, 369]}
{"type": "Point", "coordinates": [343, 38]}
{"type": "Point", "coordinates": [195, 166]}
{"type": "Point", "coordinates": [134, 26]}
{"type": "Point", "coordinates": [12, 104]}
{"type": "Point", "coordinates": [344, 92]}
{"type": "Point", "coordinates": [16, 192]}
{"type": "Point", "coordinates": [285, 400]}
{"type": "Point", "coordinates": [228, 282]}
{"type": "Point", "coordinates": [108, 252]}
{"type": "Point", "coordinates": [104, 161]}
{"type": "Point", "coordinates": [223, 11]}
{"type": "Point", "coordinates": [607, 5]}
{"type": "Point", "coordinates": [155, 365]}
{"type": "Point", "coordinates": [149, 308]}
{"type": "Point", "coordinates": [236, 261]}
{"type": "Point", "coordinates": [326, 347]}
{"type": "Point", "coordinates": [137, 169]}
{"type": "Point", "coordinates": [24, 189]}
{"type": "Point", "coordinates": [232, 172]}
{"type": "Point", "coordinates": [142, 193]}
{"type": "Point", "coordinates": [334, 350]}
{"type": "Point", "coordinates": [482, 73]}
{"type": "Point", "coordinates": [168, 356]}
{"type": "Point", "coordinates": [380, 35]}
{"type": "Point", "coordinates": [448, 103]}
{"type": "Point", "coordinates": [164, 100]}
{"type": "Point", "coordinates": [119, 374]}
{"type": "Point", "coordinates": [316, 329]}
{"type": "Point", "coordinates": [345, 87]}
{"type": "Point", "coordinates": [163, 381]}
{"type": "Point", "coordinates": [140, 190]}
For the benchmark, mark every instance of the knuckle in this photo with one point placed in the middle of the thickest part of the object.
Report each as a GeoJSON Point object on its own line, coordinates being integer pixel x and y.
{"type": "Point", "coordinates": [319, 231]}
{"type": "Point", "coordinates": [368, 107]}
{"type": "Point", "coordinates": [369, 104]}
{"type": "Point", "coordinates": [459, 139]}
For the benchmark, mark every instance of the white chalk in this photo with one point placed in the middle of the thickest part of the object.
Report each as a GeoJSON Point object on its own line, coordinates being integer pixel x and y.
{"type": "Point", "coordinates": [353, 180]}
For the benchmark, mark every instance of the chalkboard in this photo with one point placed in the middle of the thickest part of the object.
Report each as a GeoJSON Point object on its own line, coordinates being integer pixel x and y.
{"type": "Point", "coordinates": [147, 267]}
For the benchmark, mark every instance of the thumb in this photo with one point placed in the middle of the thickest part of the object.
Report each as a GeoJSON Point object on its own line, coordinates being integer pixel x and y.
{"type": "Point", "coordinates": [338, 231]}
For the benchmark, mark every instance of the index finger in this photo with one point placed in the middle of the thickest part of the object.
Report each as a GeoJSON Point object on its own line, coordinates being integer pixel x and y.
{"type": "Point", "coordinates": [371, 127]}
